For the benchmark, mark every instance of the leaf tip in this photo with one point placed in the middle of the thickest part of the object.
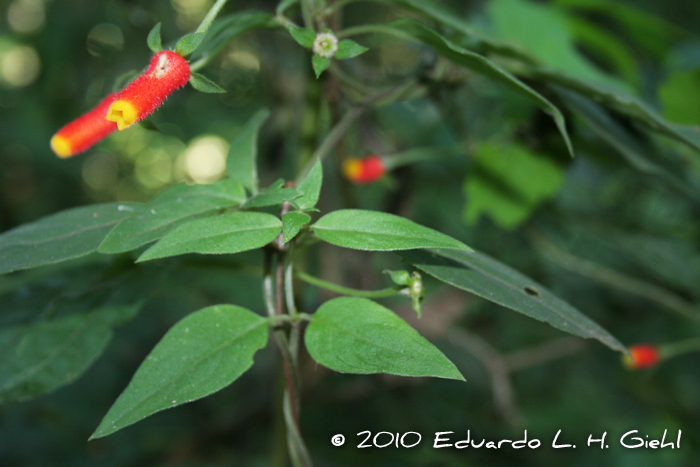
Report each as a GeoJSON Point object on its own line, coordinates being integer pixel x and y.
{"type": "Point", "coordinates": [143, 257]}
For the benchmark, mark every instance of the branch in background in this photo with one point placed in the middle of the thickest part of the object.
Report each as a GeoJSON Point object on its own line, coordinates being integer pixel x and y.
{"type": "Point", "coordinates": [497, 367]}
{"type": "Point", "coordinates": [544, 353]}
{"type": "Point", "coordinates": [501, 366]}
{"type": "Point", "coordinates": [338, 131]}
{"type": "Point", "coordinates": [612, 278]}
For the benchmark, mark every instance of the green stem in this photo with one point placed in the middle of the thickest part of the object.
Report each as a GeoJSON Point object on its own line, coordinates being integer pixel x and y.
{"type": "Point", "coordinates": [284, 21]}
{"type": "Point", "coordinates": [396, 290]}
{"type": "Point", "coordinates": [307, 14]}
{"type": "Point", "coordinates": [412, 156]}
{"type": "Point", "coordinates": [297, 449]}
{"type": "Point", "coordinates": [333, 138]}
{"type": "Point", "coordinates": [272, 292]}
{"type": "Point", "coordinates": [346, 121]}
{"type": "Point", "coordinates": [288, 319]}
{"type": "Point", "coordinates": [295, 332]}
{"type": "Point", "coordinates": [283, 6]}
{"type": "Point", "coordinates": [337, 6]}
{"type": "Point", "coordinates": [373, 29]}
{"type": "Point", "coordinates": [358, 86]}
{"type": "Point", "coordinates": [343, 3]}
{"type": "Point", "coordinates": [679, 348]}
{"type": "Point", "coordinates": [269, 285]}
{"type": "Point", "coordinates": [211, 15]}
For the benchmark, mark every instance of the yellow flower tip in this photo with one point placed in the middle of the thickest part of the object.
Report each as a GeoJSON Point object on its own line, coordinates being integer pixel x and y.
{"type": "Point", "coordinates": [123, 113]}
{"type": "Point", "coordinates": [352, 168]}
{"type": "Point", "coordinates": [61, 146]}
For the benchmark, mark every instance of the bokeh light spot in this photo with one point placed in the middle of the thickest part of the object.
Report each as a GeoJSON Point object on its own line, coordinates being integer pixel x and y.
{"type": "Point", "coordinates": [26, 16]}
{"type": "Point", "coordinates": [154, 168]}
{"type": "Point", "coordinates": [205, 159]}
{"type": "Point", "coordinates": [105, 38]}
{"type": "Point", "coordinates": [19, 65]}
{"type": "Point", "coordinates": [101, 171]}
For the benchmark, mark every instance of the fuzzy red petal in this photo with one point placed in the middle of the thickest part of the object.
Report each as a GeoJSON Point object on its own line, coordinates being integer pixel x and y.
{"type": "Point", "coordinates": [167, 72]}
{"type": "Point", "coordinates": [83, 132]}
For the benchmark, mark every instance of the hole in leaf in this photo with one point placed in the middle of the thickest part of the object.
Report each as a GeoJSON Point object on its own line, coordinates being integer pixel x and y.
{"type": "Point", "coordinates": [533, 292]}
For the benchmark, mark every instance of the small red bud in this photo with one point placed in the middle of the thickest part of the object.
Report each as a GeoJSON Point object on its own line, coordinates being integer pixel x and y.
{"type": "Point", "coordinates": [364, 170]}
{"type": "Point", "coordinates": [643, 356]}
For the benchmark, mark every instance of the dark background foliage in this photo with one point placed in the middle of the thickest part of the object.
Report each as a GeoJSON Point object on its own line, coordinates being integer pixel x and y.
{"type": "Point", "coordinates": [617, 242]}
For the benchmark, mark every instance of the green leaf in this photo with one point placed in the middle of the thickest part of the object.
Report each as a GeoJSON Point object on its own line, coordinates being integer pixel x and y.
{"type": "Point", "coordinates": [640, 155]}
{"type": "Point", "coordinates": [226, 191]}
{"type": "Point", "coordinates": [674, 92]}
{"type": "Point", "coordinates": [606, 47]}
{"type": "Point", "coordinates": [413, 29]}
{"type": "Point", "coordinates": [203, 84]}
{"type": "Point", "coordinates": [357, 335]}
{"type": "Point", "coordinates": [171, 208]}
{"type": "Point", "coordinates": [624, 104]}
{"type": "Point", "coordinates": [508, 182]}
{"type": "Point", "coordinates": [399, 277]}
{"type": "Point", "coordinates": [201, 354]}
{"type": "Point", "coordinates": [437, 12]}
{"type": "Point", "coordinates": [40, 357]}
{"type": "Point", "coordinates": [292, 222]}
{"type": "Point", "coordinates": [188, 43]}
{"type": "Point", "coordinates": [225, 29]}
{"type": "Point", "coordinates": [349, 49]}
{"type": "Point", "coordinates": [668, 260]}
{"type": "Point", "coordinates": [454, 21]}
{"type": "Point", "coordinates": [227, 233]}
{"type": "Point", "coordinates": [242, 156]}
{"type": "Point", "coordinates": [494, 281]}
{"type": "Point", "coordinates": [273, 195]}
{"type": "Point", "coordinates": [153, 40]}
{"type": "Point", "coordinates": [82, 287]}
{"type": "Point", "coordinates": [319, 64]}
{"type": "Point", "coordinates": [304, 37]}
{"type": "Point", "coordinates": [66, 235]}
{"type": "Point", "coordinates": [646, 30]}
{"type": "Point", "coordinates": [544, 32]}
{"type": "Point", "coordinates": [310, 187]}
{"type": "Point", "coordinates": [378, 231]}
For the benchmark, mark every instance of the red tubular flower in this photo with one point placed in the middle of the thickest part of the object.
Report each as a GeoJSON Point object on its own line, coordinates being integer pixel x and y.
{"type": "Point", "coordinates": [166, 72]}
{"type": "Point", "coordinates": [85, 131]}
{"type": "Point", "coordinates": [364, 170]}
{"type": "Point", "coordinates": [643, 356]}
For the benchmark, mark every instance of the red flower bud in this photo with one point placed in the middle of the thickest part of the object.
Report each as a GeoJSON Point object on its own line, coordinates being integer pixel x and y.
{"type": "Point", "coordinates": [364, 170]}
{"type": "Point", "coordinates": [85, 131]}
{"type": "Point", "coordinates": [643, 356]}
{"type": "Point", "coordinates": [166, 72]}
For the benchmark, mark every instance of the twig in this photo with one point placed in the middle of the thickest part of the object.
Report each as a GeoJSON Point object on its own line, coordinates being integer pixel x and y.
{"type": "Point", "coordinates": [497, 367]}
{"type": "Point", "coordinates": [613, 278]}
{"type": "Point", "coordinates": [500, 367]}
{"type": "Point", "coordinates": [274, 303]}
{"type": "Point", "coordinates": [388, 292]}
{"type": "Point", "coordinates": [543, 353]}
{"type": "Point", "coordinates": [211, 15]}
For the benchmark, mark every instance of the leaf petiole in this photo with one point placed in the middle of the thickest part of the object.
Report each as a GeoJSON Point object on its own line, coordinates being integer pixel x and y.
{"type": "Point", "coordinates": [388, 292]}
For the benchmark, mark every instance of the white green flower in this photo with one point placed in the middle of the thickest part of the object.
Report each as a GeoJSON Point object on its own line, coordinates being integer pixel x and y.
{"type": "Point", "coordinates": [325, 44]}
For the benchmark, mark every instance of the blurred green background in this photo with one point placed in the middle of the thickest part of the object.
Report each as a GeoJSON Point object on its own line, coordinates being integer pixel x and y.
{"type": "Point", "coordinates": [616, 241]}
